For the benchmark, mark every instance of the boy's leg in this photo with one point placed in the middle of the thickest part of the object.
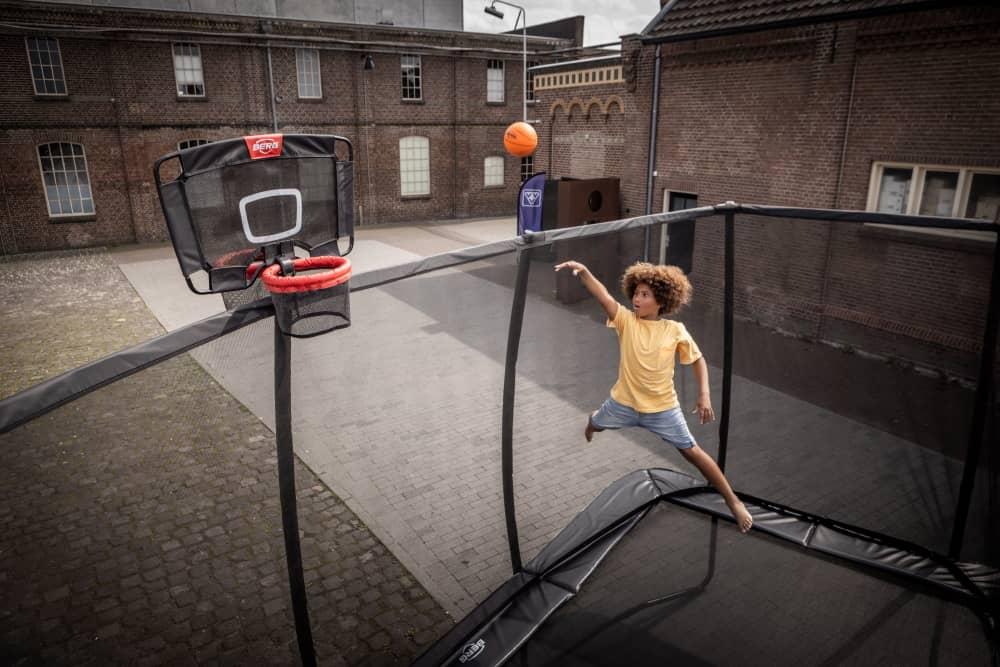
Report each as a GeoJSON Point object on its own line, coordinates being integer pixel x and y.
{"type": "Point", "coordinates": [611, 415]}
{"type": "Point", "coordinates": [713, 475]}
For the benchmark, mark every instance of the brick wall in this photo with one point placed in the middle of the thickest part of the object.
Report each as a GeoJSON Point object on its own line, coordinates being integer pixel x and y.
{"type": "Point", "coordinates": [123, 108]}
{"type": "Point", "coordinates": [797, 117]}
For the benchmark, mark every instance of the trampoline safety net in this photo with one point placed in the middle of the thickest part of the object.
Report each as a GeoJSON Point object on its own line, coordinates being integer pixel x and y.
{"type": "Point", "coordinates": [856, 357]}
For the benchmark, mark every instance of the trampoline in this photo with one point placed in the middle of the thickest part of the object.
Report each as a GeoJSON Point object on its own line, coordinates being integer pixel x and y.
{"type": "Point", "coordinates": [875, 529]}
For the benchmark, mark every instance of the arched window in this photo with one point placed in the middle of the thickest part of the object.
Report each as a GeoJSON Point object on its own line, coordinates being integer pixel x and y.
{"type": "Point", "coordinates": [65, 179]}
{"type": "Point", "coordinates": [414, 166]}
{"type": "Point", "coordinates": [492, 171]}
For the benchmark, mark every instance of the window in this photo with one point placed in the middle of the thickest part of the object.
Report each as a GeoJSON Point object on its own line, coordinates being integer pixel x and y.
{"type": "Point", "coordinates": [307, 66]}
{"type": "Point", "coordinates": [187, 70]}
{"type": "Point", "coordinates": [527, 167]}
{"type": "Point", "coordinates": [190, 143]}
{"type": "Point", "coordinates": [414, 166]}
{"type": "Point", "coordinates": [494, 81]}
{"type": "Point", "coordinates": [960, 192]}
{"type": "Point", "coordinates": [65, 178]}
{"type": "Point", "coordinates": [492, 171]}
{"type": "Point", "coordinates": [410, 66]}
{"type": "Point", "coordinates": [530, 90]}
{"type": "Point", "coordinates": [46, 65]}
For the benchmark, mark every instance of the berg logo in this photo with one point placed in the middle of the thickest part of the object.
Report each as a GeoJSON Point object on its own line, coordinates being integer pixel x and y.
{"type": "Point", "coordinates": [264, 145]}
{"type": "Point", "coordinates": [472, 651]}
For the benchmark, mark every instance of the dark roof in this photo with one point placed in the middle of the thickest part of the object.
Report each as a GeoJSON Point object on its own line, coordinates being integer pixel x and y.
{"type": "Point", "coordinates": [568, 28]}
{"type": "Point", "coordinates": [686, 18]}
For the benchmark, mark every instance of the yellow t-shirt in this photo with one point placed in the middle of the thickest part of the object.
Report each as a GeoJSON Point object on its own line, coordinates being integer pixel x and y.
{"type": "Point", "coordinates": [646, 367]}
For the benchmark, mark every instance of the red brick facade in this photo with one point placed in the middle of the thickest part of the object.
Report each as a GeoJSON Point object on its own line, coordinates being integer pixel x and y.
{"type": "Point", "coordinates": [123, 109]}
{"type": "Point", "coordinates": [798, 117]}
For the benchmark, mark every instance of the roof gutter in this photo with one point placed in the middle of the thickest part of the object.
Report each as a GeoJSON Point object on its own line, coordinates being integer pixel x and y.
{"type": "Point", "coordinates": [797, 22]}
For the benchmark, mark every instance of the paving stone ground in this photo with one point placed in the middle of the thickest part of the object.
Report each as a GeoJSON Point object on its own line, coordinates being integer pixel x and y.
{"type": "Point", "coordinates": [141, 525]}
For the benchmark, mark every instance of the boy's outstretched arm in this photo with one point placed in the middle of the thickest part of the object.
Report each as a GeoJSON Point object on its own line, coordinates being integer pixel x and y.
{"type": "Point", "coordinates": [593, 285]}
{"type": "Point", "coordinates": [703, 406]}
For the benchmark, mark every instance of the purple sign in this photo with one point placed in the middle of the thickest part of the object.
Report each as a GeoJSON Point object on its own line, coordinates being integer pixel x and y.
{"type": "Point", "coordinates": [529, 204]}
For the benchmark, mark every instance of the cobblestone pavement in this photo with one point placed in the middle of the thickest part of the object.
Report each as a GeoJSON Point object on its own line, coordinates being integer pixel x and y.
{"type": "Point", "coordinates": [141, 525]}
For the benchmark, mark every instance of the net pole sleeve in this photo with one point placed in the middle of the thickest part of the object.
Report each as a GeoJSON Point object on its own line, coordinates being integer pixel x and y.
{"type": "Point", "coordinates": [979, 411]}
{"type": "Point", "coordinates": [286, 486]}
{"type": "Point", "coordinates": [727, 336]}
{"type": "Point", "coordinates": [507, 422]}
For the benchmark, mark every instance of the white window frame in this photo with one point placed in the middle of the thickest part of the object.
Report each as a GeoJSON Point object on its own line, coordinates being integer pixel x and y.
{"type": "Point", "coordinates": [529, 93]}
{"type": "Point", "coordinates": [494, 66]}
{"type": "Point", "coordinates": [664, 236]}
{"type": "Point", "coordinates": [406, 61]}
{"type": "Point", "coordinates": [529, 162]}
{"type": "Point", "coordinates": [492, 176]}
{"type": "Point", "coordinates": [190, 63]}
{"type": "Point", "coordinates": [184, 144]}
{"type": "Point", "coordinates": [917, 182]}
{"type": "Point", "coordinates": [52, 71]}
{"type": "Point", "coordinates": [309, 74]}
{"type": "Point", "coordinates": [59, 170]}
{"type": "Point", "coordinates": [414, 166]}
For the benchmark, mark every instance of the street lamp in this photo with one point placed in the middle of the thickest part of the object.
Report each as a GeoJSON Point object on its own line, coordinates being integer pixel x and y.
{"type": "Point", "coordinates": [521, 16]}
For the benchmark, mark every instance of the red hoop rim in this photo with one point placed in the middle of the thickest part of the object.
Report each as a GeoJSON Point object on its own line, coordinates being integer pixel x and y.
{"type": "Point", "coordinates": [339, 272]}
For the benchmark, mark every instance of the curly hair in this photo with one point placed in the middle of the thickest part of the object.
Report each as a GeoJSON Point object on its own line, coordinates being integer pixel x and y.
{"type": "Point", "coordinates": [671, 288]}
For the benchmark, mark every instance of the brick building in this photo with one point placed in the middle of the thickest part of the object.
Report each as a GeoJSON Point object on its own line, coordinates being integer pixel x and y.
{"type": "Point", "coordinates": [864, 105]}
{"type": "Point", "coordinates": [94, 95]}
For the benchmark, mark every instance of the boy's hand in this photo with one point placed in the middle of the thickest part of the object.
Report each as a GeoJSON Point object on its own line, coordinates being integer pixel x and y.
{"type": "Point", "coordinates": [572, 264]}
{"type": "Point", "coordinates": [704, 408]}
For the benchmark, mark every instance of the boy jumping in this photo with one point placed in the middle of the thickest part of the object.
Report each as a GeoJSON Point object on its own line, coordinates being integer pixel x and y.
{"type": "Point", "coordinates": [644, 394]}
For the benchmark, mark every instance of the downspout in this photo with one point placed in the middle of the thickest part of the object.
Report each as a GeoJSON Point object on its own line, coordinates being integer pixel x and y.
{"type": "Point", "coordinates": [123, 164]}
{"type": "Point", "coordinates": [650, 165]}
{"type": "Point", "coordinates": [270, 90]}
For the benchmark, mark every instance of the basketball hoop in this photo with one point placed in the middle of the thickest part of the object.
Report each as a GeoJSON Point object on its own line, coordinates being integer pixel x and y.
{"type": "Point", "coordinates": [315, 299]}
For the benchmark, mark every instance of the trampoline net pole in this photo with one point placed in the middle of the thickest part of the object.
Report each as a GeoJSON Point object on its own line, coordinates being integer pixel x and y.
{"type": "Point", "coordinates": [981, 407]}
{"type": "Point", "coordinates": [727, 342]}
{"type": "Point", "coordinates": [507, 423]}
{"type": "Point", "coordinates": [286, 485]}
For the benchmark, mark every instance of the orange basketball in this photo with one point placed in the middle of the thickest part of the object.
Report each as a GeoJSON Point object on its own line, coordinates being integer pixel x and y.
{"type": "Point", "coordinates": [520, 139]}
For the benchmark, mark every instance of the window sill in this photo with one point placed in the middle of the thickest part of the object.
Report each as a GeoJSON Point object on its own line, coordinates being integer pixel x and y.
{"type": "Point", "coordinates": [310, 100]}
{"type": "Point", "coordinates": [415, 197]}
{"type": "Point", "coordinates": [495, 104]}
{"type": "Point", "coordinates": [953, 239]}
{"type": "Point", "coordinates": [192, 98]}
{"type": "Point", "coordinates": [83, 217]}
{"type": "Point", "coordinates": [52, 98]}
{"type": "Point", "coordinates": [495, 187]}
{"type": "Point", "coordinates": [420, 101]}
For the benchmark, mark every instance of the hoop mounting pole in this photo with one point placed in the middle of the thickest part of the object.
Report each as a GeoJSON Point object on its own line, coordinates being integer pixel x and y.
{"type": "Point", "coordinates": [286, 486]}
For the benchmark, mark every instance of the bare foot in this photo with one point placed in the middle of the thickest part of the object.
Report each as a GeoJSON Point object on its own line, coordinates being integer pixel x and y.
{"type": "Point", "coordinates": [742, 516]}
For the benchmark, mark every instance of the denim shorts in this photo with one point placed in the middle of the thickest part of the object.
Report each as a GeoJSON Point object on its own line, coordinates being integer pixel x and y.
{"type": "Point", "coordinates": [669, 424]}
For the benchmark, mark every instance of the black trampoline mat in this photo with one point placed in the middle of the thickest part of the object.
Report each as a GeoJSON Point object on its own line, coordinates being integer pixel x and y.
{"type": "Point", "coordinates": [767, 603]}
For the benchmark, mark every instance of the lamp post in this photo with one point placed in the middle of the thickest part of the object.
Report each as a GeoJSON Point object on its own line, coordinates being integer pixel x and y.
{"type": "Point", "coordinates": [523, 17]}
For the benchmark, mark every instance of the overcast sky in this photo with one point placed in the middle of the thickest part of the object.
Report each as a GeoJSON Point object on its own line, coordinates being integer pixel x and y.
{"type": "Point", "coordinates": [606, 20]}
